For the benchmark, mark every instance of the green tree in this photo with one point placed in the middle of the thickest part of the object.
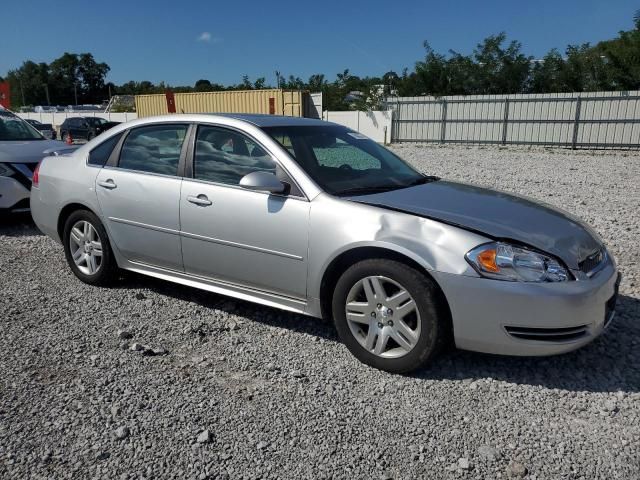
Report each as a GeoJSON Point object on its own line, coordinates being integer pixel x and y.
{"type": "Point", "coordinates": [203, 86]}
{"type": "Point", "coordinates": [500, 69]}
{"type": "Point", "coordinates": [316, 83]}
{"type": "Point", "coordinates": [432, 73]}
{"type": "Point", "coordinates": [29, 84]}
{"type": "Point", "coordinates": [546, 74]}
{"type": "Point", "coordinates": [65, 78]}
{"type": "Point", "coordinates": [91, 75]}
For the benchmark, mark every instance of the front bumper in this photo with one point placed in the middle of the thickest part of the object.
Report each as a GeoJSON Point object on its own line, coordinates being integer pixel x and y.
{"type": "Point", "coordinates": [529, 319]}
{"type": "Point", "coordinates": [14, 197]}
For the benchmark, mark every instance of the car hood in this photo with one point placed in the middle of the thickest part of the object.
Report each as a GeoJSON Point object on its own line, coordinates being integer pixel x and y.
{"type": "Point", "coordinates": [495, 214]}
{"type": "Point", "coordinates": [29, 151]}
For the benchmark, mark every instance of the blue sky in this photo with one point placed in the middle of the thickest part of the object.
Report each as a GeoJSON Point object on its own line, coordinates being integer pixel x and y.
{"type": "Point", "coordinates": [181, 41]}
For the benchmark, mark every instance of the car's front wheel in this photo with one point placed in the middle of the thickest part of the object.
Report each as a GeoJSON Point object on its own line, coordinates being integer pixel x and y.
{"type": "Point", "coordinates": [87, 249]}
{"type": "Point", "coordinates": [389, 315]}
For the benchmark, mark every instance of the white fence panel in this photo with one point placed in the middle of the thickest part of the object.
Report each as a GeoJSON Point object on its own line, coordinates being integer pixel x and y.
{"type": "Point", "coordinates": [375, 125]}
{"type": "Point", "coordinates": [577, 120]}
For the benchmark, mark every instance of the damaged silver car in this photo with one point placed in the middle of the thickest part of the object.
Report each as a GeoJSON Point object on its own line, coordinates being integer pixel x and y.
{"type": "Point", "coordinates": [314, 218]}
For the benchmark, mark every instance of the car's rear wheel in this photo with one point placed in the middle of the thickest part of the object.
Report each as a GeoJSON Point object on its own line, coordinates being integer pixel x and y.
{"type": "Point", "coordinates": [389, 315]}
{"type": "Point", "coordinates": [87, 249]}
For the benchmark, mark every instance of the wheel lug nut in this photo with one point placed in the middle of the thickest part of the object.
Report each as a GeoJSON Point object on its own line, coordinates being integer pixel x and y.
{"type": "Point", "coordinates": [373, 314]}
{"type": "Point", "coordinates": [390, 323]}
{"type": "Point", "coordinates": [379, 305]}
{"type": "Point", "coordinates": [380, 325]}
{"type": "Point", "coordinates": [389, 312]}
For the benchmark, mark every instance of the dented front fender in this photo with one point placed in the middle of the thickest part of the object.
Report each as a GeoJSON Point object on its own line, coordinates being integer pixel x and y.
{"type": "Point", "coordinates": [337, 226]}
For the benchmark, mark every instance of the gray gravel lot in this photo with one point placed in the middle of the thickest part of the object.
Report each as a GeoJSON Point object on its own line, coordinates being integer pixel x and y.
{"type": "Point", "coordinates": [221, 388]}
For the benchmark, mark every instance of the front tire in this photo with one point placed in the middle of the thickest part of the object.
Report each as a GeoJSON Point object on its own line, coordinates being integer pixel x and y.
{"type": "Point", "coordinates": [389, 315]}
{"type": "Point", "coordinates": [87, 249]}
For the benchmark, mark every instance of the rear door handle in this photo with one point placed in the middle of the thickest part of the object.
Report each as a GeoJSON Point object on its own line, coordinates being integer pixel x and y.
{"type": "Point", "coordinates": [110, 184]}
{"type": "Point", "coordinates": [201, 200]}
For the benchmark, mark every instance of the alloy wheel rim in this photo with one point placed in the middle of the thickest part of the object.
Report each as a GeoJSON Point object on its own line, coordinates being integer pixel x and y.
{"type": "Point", "coordinates": [86, 247]}
{"type": "Point", "coordinates": [383, 317]}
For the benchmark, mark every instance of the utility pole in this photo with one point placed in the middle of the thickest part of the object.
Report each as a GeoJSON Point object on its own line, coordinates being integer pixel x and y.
{"type": "Point", "coordinates": [75, 91]}
{"type": "Point", "coordinates": [46, 91]}
{"type": "Point", "coordinates": [21, 90]}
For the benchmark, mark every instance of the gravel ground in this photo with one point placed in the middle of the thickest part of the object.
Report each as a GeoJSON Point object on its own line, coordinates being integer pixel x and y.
{"type": "Point", "coordinates": [221, 388]}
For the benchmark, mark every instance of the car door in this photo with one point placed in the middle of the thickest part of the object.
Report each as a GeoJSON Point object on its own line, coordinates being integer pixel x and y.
{"type": "Point", "coordinates": [139, 194]}
{"type": "Point", "coordinates": [245, 237]}
{"type": "Point", "coordinates": [68, 126]}
{"type": "Point", "coordinates": [74, 128]}
{"type": "Point", "coordinates": [83, 128]}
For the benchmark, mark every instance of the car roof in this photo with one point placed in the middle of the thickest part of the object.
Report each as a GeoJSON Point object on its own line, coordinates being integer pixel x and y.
{"type": "Point", "coordinates": [262, 120]}
{"type": "Point", "coordinates": [255, 120]}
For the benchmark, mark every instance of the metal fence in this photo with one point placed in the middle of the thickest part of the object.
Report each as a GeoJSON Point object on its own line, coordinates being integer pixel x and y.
{"type": "Point", "coordinates": [580, 120]}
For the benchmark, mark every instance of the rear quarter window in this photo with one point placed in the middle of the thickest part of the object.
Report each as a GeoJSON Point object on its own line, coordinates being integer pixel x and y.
{"type": "Point", "coordinates": [99, 155]}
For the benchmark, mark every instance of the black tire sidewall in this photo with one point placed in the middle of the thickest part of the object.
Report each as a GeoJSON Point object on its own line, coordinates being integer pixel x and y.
{"type": "Point", "coordinates": [108, 267]}
{"type": "Point", "coordinates": [424, 293]}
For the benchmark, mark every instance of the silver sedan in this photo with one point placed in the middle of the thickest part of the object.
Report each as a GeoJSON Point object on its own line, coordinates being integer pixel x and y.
{"type": "Point", "coordinates": [314, 218]}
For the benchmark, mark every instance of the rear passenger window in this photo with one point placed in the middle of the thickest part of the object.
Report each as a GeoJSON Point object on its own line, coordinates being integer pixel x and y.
{"type": "Point", "coordinates": [225, 156]}
{"type": "Point", "coordinates": [99, 155]}
{"type": "Point", "coordinates": [154, 149]}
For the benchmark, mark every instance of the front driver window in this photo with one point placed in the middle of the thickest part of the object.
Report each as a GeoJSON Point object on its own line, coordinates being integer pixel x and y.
{"type": "Point", "coordinates": [225, 156]}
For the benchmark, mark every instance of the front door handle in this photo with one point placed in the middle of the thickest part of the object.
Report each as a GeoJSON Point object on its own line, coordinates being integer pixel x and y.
{"type": "Point", "coordinates": [110, 184]}
{"type": "Point", "coordinates": [201, 200]}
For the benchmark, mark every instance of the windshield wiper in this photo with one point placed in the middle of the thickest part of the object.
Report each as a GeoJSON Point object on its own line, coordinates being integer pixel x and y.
{"type": "Point", "coordinates": [423, 180]}
{"type": "Point", "coordinates": [386, 188]}
{"type": "Point", "coordinates": [366, 190]}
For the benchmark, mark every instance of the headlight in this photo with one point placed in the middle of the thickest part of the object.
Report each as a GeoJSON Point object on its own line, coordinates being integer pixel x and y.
{"type": "Point", "coordinates": [503, 261]}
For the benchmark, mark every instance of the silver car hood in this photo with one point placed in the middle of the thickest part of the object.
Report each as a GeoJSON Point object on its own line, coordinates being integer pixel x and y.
{"type": "Point", "coordinates": [30, 151]}
{"type": "Point", "coordinates": [495, 214]}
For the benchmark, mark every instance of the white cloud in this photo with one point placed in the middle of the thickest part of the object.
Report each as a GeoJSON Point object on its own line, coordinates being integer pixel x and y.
{"type": "Point", "coordinates": [206, 37]}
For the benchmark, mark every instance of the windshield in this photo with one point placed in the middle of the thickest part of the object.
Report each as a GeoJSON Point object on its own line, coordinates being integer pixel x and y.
{"type": "Point", "coordinates": [14, 128]}
{"type": "Point", "coordinates": [344, 162]}
{"type": "Point", "coordinates": [96, 120]}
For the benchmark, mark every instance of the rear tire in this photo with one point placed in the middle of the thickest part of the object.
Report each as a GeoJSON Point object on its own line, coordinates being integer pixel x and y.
{"type": "Point", "coordinates": [87, 249]}
{"type": "Point", "coordinates": [389, 315]}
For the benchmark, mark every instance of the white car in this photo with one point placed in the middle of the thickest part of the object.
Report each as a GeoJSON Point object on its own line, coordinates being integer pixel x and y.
{"type": "Point", "coordinates": [312, 217]}
{"type": "Point", "coordinates": [21, 148]}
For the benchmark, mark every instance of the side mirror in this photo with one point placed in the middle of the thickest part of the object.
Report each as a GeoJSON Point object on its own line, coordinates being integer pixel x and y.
{"type": "Point", "coordinates": [262, 182]}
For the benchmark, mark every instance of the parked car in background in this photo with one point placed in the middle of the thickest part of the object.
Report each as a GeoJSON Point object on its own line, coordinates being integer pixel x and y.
{"type": "Point", "coordinates": [21, 148]}
{"type": "Point", "coordinates": [46, 129]}
{"type": "Point", "coordinates": [84, 128]}
{"type": "Point", "coordinates": [46, 109]}
{"type": "Point", "coordinates": [314, 218]}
